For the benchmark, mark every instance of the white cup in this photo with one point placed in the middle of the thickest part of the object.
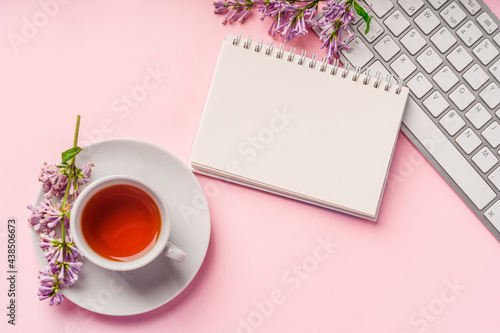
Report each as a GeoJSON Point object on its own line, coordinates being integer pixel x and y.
{"type": "Point", "coordinates": [162, 246]}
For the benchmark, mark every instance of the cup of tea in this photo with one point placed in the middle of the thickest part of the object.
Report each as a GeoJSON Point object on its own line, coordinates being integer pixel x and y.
{"type": "Point", "coordinates": [120, 223]}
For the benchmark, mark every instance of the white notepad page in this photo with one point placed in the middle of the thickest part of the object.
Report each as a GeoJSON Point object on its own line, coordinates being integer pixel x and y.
{"type": "Point", "coordinates": [293, 130]}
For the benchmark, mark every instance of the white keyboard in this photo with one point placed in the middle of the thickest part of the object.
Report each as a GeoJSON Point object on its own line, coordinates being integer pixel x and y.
{"type": "Point", "coordinates": [448, 54]}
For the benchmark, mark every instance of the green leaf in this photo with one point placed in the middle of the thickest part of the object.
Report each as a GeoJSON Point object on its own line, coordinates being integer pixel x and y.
{"type": "Point", "coordinates": [70, 153]}
{"type": "Point", "coordinates": [362, 12]}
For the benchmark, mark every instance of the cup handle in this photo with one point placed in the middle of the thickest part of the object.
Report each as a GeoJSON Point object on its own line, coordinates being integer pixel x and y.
{"type": "Point", "coordinates": [173, 252]}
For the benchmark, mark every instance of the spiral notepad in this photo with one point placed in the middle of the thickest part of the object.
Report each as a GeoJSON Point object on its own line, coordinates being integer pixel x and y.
{"type": "Point", "coordinates": [288, 124]}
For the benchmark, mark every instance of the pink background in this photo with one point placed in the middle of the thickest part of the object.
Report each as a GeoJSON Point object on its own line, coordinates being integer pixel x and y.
{"type": "Point", "coordinates": [379, 279]}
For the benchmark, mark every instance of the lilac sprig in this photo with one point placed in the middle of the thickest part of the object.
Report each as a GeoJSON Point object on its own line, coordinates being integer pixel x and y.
{"type": "Point", "coordinates": [47, 215]}
{"type": "Point", "coordinates": [291, 18]}
{"type": "Point", "coordinates": [63, 267]}
{"type": "Point", "coordinates": [335, 32]}
{"type": "Point", "coordinates": [63, 257]}
{"type": "Point", "coordinates": [55, 179]}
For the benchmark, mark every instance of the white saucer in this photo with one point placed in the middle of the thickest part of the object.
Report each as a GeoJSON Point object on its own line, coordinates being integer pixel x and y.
{"type": "Point", "coordinates": [144, 289]}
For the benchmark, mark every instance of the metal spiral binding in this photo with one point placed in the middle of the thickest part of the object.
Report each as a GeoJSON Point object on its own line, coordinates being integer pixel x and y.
{"type": "Point", "coordinates": [368, 76]}
{"type": "Point", "coordinates": [270, 48]}
{"type": "Point", "coordinates": [279, 55]}
{"type": "Point", "coordinates": [258, 47]}
{"type": "Point", "coordinates": [378, 79]}
{"type": "Point", "coordinates": [312, 64]}
{"type": "Point", "coordinates": [357, 73]}
{"type": "Point", "coordinates": [236, 41]}
{"type": "Point", "coordinates": [291, 55]}
{"type": "Point", "coordinates": [346, 70]}
{"type": "Point", "coordinates": [248, 42]}
{"type": "Point", "coordinates": [388, 81]}
{"type": "Point", "coordinates": [324, 64]}
{"type": "Point", "coordinates": [335, 67]}
{"type": "Point", "coordinates": [302, 57]}
{"type": "Point", "coordinates": [399, 87]}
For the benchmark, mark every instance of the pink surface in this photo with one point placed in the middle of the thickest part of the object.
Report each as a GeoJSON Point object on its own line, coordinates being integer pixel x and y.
{"type": "Point", "coordinates": [428, 264]}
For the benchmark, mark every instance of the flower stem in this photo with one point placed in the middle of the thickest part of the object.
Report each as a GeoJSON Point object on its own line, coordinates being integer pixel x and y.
{"type": "Point", "coordinates": [71, 176]}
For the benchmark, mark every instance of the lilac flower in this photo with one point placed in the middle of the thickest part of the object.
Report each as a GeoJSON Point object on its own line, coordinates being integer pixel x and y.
{"type": "Point", "coordinates": [220, 6]}
{"type": "Point", "coordinates": [311, 16]}
{"type": "Point", "coordinates": [63, 266]}
{"type": "Point", "coordinates": [59, 181]}
{"type": "Point", "coordinates": [34, 220]}
{"type": "Point", "coordinates": [84, 173]}
{"type": "Point", "coordinates": [57, 251]}
{"type": "Point", "coordinates": [49, 288]}
{"type": "Point", "coordinates": [294, 27]}
{"type": "Point", "coordinates": [54, 180]}
{"type": "Point", "coordinates": [69, 272]}
{"type": "Point", "coordinates": [83, 178]}
{"type": "Point", "coordinates": [336, 33]}
{"type": "Point", "coordinates": [273, 8]}
{"type": "Point", "coordinates": [236, 10]}
{"type": "Point", "coordinates": [291, 18]}
{"type": "Point", "coordinates": [46, 216]}
{"type": "Point", "coordinates": [45, 241]}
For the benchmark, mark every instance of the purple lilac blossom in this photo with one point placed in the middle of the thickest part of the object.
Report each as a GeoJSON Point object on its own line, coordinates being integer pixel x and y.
{"type": "Point", "coordinates": [49, 288]}
{"type": "Point", "coordinates": [336, 33]}
{"type": "Point", "coordinates": [54, 180]}
{"type": "Point", "coordinates": [46, 216]}
{"type": "Point", "coordinates": [62, 269]}
{"type": "Point", "coordinates": [236, 10]}
{"type": "Point", "coordinates": [290, 19]}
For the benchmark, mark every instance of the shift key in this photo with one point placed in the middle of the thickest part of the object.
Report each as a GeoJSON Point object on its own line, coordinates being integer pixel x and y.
{"type": "Point", "coordinates": [359, 54]}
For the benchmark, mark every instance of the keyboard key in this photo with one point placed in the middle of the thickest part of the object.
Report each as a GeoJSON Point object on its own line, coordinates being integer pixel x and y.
{"type": "Point", "coordinates": [427, 21]}
{"type": "Point", "coordinates": [476, 77]}
{"type": "Point", "coordinates": [495, 179]}
{"type": "Point", "coordinates": [462, 97]}
{"type": "Point", "coordinates": [378, 67]}
{"type": "Point", "coordinates": [485, 52]}
{"type": "Point", "coordinates": [497, 39]}
{"type": "Point", "coordinates": [436, 103]}
{"type": "Point", "coordinates": [396, 22]}
{"type": "Point", "coordinates": [447, 155]}
{"type": "Point", "coordinates": [453, 14]}
{"type": "Point", "coordinates": [445, 78]}
{"type": "Point", "coordinates": [419, 85]}
{"type": "Point", "coordinates": [437, 3]}
{"type": "Point", "coordinates": [380, 7]}
{"type": "Point", "coordinates": [468, 141]}
{"type": "Point", "coordinates": [375, 30]}
{"type": "Point", "coordinates": [443, 39]}
{"type": "Point", "coordinates": [478, 115]}
{"type": "Point", "coordinates": [359, 54]}
{"type": "Point", "coordinates": [411, 6]}
{"type": "Point", "coordinates": [487, 23]}
{"type": "Point", "coordinates": [403, 66]}
{"type": "Point", "coordinates": [493, 215]}
{"type": "Point", "coordinates": [429, 60]}
{"type": "Point", "coordinates": [471, 5]}
{"type": "Point", "coordinates": [452, 122]}
{"type": "Point", "coordinates": [413, 41]}
{"type": "Point", "coordinates": [492, 134]}
{"type": "Point", "coordinates": [485, 159]}
{"type": "Point", "coordinates": [495, 70]}
{"type": "Point", "coordinates": [469, 33]}
{"type": "Point", "coordinates": [387, 48]}
{"type": "Point", "coordinates": [491, 95]}
{"type": "Point", "coordinates": [459, 58]}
